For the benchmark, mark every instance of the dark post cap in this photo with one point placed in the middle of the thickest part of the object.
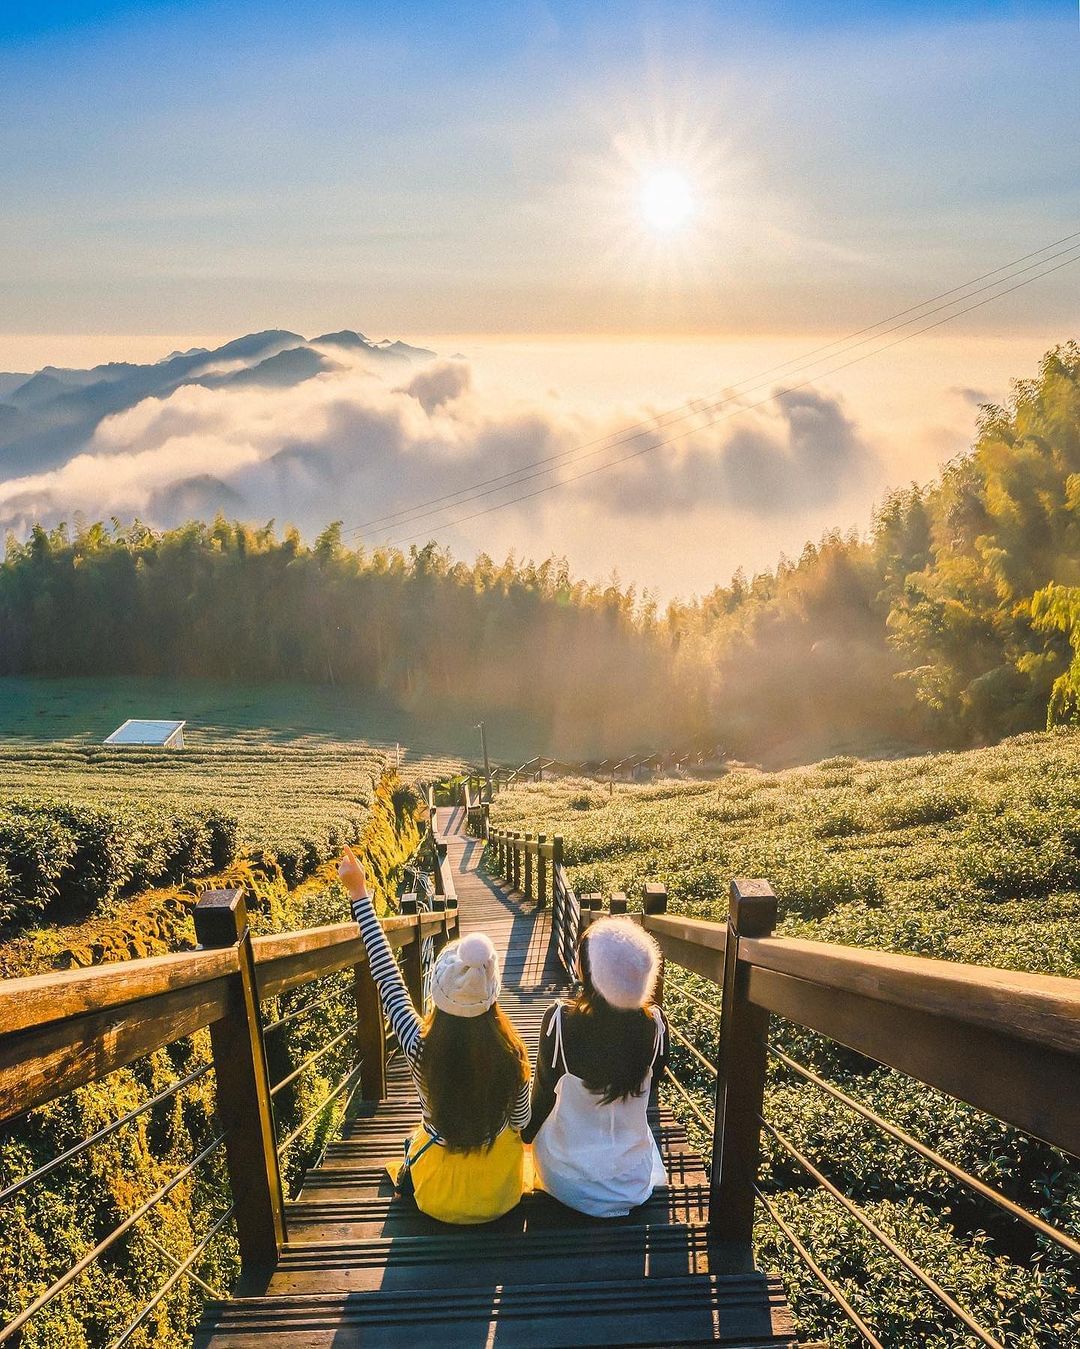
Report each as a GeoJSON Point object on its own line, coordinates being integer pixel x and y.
{"type": "Point", "coordinates": [409, 903]}
{"type": "Point", "coordinates": [753, 907]}
{"type": "Point", "coordinates": [654, 897]}
{"type": "Point", "coordinates": [618, 902]}
{"type": "Point", "coordinates": [220, 917]}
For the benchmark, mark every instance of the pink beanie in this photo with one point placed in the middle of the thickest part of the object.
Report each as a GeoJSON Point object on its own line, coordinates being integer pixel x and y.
{"type": "Point", "coordinates": [624, 962]}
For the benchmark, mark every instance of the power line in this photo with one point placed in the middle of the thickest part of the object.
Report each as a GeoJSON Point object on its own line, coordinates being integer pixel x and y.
{"type": "Point", "coordinates": [701, 406]}
{"type": "Point", "coordinates": [599, 468]}
{"type": "Point", "coordinates": [575, 454]}
{"type": "Point", "coordinates": [704, 404]}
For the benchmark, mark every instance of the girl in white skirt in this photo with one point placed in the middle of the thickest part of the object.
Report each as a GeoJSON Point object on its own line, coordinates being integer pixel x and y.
{"type": "Point", "coordinates": [599, 1055]}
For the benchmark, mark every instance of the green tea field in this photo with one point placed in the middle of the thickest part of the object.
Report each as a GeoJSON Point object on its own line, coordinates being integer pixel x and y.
{"type": "Point", "coordinates": [972, 857]}
{"type": "Point", "coordinates": [285, 773]}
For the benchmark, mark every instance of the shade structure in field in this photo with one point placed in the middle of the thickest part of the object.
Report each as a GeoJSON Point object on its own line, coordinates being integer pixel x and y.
{"type": "Point", "coordinates": [165, 734]}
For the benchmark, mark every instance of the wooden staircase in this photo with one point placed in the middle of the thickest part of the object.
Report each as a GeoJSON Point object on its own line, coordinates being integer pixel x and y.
{"type": "Point", "coordinates": [363, 1267]}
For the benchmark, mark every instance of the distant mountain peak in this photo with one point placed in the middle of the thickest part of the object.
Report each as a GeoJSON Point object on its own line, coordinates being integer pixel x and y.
{"type": "Point", "coordinates": [345, 338]}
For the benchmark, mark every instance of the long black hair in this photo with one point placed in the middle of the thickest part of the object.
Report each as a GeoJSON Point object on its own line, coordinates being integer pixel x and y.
{"type": "Point", "coordinates": [472, 1068]}
{"type": "Point", "coordinates": [613, 1049]}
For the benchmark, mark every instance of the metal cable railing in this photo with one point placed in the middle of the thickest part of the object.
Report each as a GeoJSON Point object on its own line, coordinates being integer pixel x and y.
{"type": "Point", "coordinates": [182, 1267]}
{"type": "Point", "coordinates": [311, 1060]}
{"type": "Point", "coordinates": [77, 1149]}
{"type": "Point", "coordinates": [927, 1280]}
{"type": "Point", "coordinates": [980, 1187]}
{"type": "Point", "coordinates": [12, 1328]}
{"type": "Point", "coordinates": [352, 1076]}
{"type": "Point", "coordinates": [300, 1012]}
{"type": "Point", "coordinates": [565, 920]}
{"type": "Point", "coordinates": [864, 1220]}
{"type": "Point", "coordinates": [815, 1269]}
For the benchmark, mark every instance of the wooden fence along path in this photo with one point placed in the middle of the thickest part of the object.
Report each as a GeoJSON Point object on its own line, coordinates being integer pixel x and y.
{"type": "Point", "coordinates": [347, 1263]}
{"type": "Point", "coordinates": [363, 1267]}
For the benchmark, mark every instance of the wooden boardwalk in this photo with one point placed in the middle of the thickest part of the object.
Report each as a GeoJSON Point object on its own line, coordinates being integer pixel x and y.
{"type": "Point", "coordinates": [363, 1267]}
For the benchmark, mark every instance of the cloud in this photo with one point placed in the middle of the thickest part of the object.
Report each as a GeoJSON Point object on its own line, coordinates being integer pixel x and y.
{"type": "Point", "coordinates": [802, 451]}
{"type": "Point", "coordinates": [347, 444]}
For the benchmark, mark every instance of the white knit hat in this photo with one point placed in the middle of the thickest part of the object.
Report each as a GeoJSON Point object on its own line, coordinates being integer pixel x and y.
{"type": "Point", "coordinates": [465, 980]}
{"type": "Point", "coordinates": [624, 962]}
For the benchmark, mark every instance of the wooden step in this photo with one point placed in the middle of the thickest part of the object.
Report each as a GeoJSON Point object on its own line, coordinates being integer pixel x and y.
{"type": "Point", "coordinates": [479, 1258]}
{"type": "Point", "coordinates": [357, 1217]}
{"type": "Point", "coordinates": [740, 1311]}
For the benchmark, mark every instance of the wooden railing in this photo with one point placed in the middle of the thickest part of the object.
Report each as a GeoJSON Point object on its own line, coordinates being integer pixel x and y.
{"type": "Point", "coordinates": [61, 1031]}
{"type": "Point", "coordinates": [1004, 1042]}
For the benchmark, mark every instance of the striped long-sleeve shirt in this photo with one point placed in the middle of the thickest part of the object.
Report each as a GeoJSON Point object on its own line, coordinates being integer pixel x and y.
{"type": "Point", "coordinates": [404, 1019]}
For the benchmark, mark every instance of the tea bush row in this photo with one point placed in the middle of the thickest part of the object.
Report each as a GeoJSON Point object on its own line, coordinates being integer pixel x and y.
{"type": "Point", "coordinates": [80, 825]}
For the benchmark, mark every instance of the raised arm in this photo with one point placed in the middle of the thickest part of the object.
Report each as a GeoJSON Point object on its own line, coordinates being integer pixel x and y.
{"type": "Point", "coordinates": [404, 1019]}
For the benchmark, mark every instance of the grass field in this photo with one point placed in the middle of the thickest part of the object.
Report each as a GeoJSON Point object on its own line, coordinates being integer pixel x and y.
{"type": "Point", "coordinates": [85, 711]}
{"type": "Point", "coordinates": [973, 857]}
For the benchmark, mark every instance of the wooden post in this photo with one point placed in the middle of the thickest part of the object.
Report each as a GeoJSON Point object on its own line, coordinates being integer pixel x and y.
{"type": "Point", "coordinates": [413, 965]}
{"type": "Point", "coordinates": [654, 899]}
{"type": "Point", "coordinates": [740, 1085]}
{"type": "Point", "coordinates": [541, 870]}
{"type": "Point", "coordinates": [243, 1090]}
{"type": "Point", "coordinates": [528, 866]}
{"type": "Point", "coordinates": [515, 844]}
{"type": "Point", "coordinates": [485, 819]}
{"type": "Point", "coordinates": [618, 902]}
{"type": "Point", "coordinates": [440, 856]}
{"type": "Point", "coordinates": [370, 1034]}
{"type": "Point", "coordinates": [442, 935]}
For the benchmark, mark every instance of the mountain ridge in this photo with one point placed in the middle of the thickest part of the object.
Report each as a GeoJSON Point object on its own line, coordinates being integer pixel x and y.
{"type": "Point", "coordinates": [50, 413]}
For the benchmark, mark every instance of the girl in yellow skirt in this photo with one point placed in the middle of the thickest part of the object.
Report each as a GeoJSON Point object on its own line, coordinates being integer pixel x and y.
{"type": "Point", "coordinates": [470, 1068]}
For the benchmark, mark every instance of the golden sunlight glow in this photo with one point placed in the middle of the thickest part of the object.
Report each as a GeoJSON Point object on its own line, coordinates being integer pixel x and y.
{"type": "Point", "coordinates": [666, 201]}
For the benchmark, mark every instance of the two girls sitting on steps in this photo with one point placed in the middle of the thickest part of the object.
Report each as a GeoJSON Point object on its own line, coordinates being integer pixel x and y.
{"type": "Point", "coordinates": [599, 1054]}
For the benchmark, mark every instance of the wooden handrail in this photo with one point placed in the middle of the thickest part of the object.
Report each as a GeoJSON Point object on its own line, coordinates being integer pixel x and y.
{"type": "Point", "coordinates": [1003, 1041]}
{"type": "Point", "coordinates": [37, 999]}
{"type": "Point", "coordinates": [1041, 1008]}
{"type": "Point", "coordinates": [65, 1029]}
{"type": "Point", "coordinates": [41, 1062]}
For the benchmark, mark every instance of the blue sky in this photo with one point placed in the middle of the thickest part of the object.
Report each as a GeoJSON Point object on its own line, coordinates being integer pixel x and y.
{"type": "Point", "coordinates": [473, 168]}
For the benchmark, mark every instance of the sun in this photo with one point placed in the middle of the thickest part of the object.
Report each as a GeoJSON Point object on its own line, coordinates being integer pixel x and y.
{"type": "Point", "coordinates": [666, 201]}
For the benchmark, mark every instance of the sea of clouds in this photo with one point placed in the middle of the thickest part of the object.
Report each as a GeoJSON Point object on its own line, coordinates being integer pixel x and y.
{"type": "Point", "coordinates": [358, 444]}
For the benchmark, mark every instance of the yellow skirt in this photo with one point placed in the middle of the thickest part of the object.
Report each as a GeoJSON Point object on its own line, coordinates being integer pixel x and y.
{"type": "Point", "coordinates": [465, 1187]}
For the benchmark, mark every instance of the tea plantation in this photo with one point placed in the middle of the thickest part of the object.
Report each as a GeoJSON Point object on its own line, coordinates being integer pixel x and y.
{"type": "Point", "coordinates": [281, 774]}
{"type": "Point", "coordinates": [972, 857]}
